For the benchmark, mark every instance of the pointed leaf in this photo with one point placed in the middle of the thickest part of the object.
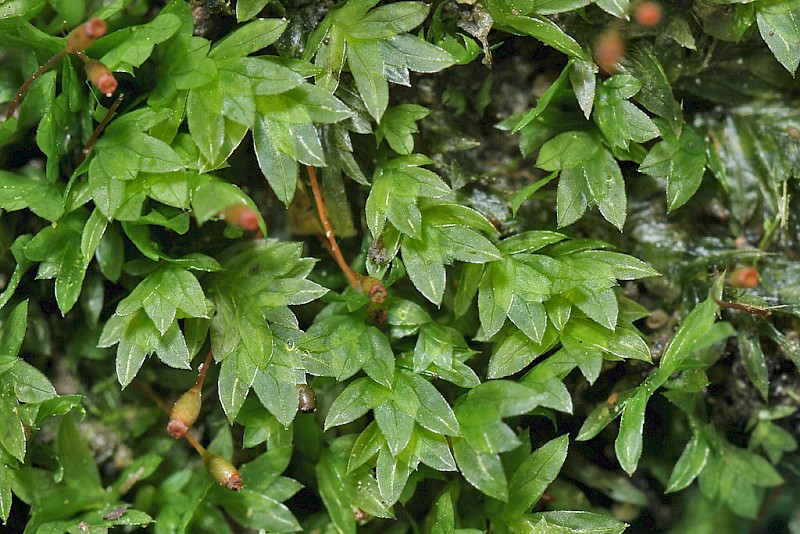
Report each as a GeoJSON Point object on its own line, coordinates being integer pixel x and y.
{"type": "Point", "coordinates": [482, 470]}
{"type": "Point", "coordinates": [532, 477]}
{"type": "Point", "coordinates": [689, 465]}
{"type": "Point", "coordinates": [279, 169]}
{"type": "Point", "coordinates": [251, 37]}
{"type": "Point", "coordinates": [779, 25]}
{"type": "Point", "coordinates": [396, 426]}
{"type": "Point", "coordinates": [366, 66]}
{"type": "Point", "coordinates": [392, 474]}
{"type": "Point", "coordinates": [425, 268]}
{"type": "Point", "coordinates": [628, 444]}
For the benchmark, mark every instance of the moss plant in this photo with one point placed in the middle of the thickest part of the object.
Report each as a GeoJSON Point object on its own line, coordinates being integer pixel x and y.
{"type": "Point", "coordinates": [454, 266]}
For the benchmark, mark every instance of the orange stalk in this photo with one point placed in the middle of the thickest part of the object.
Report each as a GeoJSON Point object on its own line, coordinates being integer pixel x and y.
{"type": "Point", "coordinates": [353, 277]}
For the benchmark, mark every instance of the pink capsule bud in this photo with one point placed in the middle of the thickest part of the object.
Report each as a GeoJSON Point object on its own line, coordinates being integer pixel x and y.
{"type": "Point", "coordinates": [243, 216]}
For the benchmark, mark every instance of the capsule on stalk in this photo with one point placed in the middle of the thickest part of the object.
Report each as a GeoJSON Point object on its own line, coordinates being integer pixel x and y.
{"type": "Point", "coordinates": [243, 216]}
{"type": "Point", "coordinates": [185, 411]}
{"type": "Point", "coordinates": [101, 77]}
{"type": "Point", "coordinates": [85, 35]}
{"type": "Point", "coordinates": [223, 472]}
{"type": "Point", "coordinates": [744, 277]}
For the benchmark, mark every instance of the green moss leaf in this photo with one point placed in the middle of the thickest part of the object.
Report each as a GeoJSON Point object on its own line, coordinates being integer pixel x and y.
{"type": "Point", "coordinates": [682, 162]}
{"type": "Point", "coordinates": [399, 124]}
{"type": "Point", "coordinates": [543, 29]}
{"type": "Point", "coordinates": [247, 9]}
{"type": "Point", "coordinates": [206, 124]}
{"type": "Point", "coordinates": [257, 510]}
{"type": "Point", "coordinates": [495, 293]}
{"type": "Point", "coordinates": [12, 435]}
{"type": "Point", "coordinates": [689, 465]}
{"type": "Point", "coordinates": [424, 264]}
{"type": "Point", "coordinates": [577, 522]}
{"type": "Point", "coordinates": [13, 331]}
{"type": "Point", "coordinates": [619, 119]}
{"type": "Point", "coordinates": [779, 25]}
{"type": "Point", "coordinates": [482, 470]}
{"type": "Point", "coordinates": [331, 472]}
{"type": "Point", "coordinates": [30, 384]}
{"type": "Point", "coordinates": [567, 150]}
{"type": "Point", "coordinates": [419, 55]}
{"type": "Point", "coordinates": [366, 65]}
{"type": "Point", "coordinates": [80, 471]}
{"type": "Point", "coordinates": [279, 169]}
{"type": "Point", "coordinates": [432, 410]}
{"type": "Point", "coordinates": [251, 37]}
{"type": "Point", "coordinates": [532, 477]}
{"type": "Point", "coordinates": [134, 45]}
{"type": "Point", "coordinates": [358, 398]}
{"type": "Point", "coordinates": [628, 444]}
{"type": "Point", "coordinates": [5, 493]}
{"type": "Point", "coordinates": [754, 362]}
{"type": "Point", "coordinates": [618, 8]}
{"type": "Point", "coordinates": [137, 341]}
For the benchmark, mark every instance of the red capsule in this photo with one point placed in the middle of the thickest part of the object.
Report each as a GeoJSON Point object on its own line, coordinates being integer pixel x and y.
{"type": "Point", "coordinates": [85, 35]}
{"type": "Point", "coordinates": [648, 14]}
{"type": "Point", "coordinates": [744, 277]}
{"type": "Point", "coordinates": [101, 77]}
{"type": "Point", "coordinates": [95, 28]}
{"type": "Point", "coordinates": [608, 51]}
{"type": "Point", "coordinates": [243, 216]}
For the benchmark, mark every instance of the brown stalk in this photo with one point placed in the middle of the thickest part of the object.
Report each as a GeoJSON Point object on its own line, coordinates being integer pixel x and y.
{"type": "Point", "coordinates": [193, 442]}
{"type": "Point", "coordinates": [333, 247]}
{"type": "Point", "coordinates": [100, 127]}
{"type": "Point", "coordinates": [752, 310]}
{"type": "Point", "coordinates": [204, 369]}
{"type": "Point", "coordinates": [33, 77]}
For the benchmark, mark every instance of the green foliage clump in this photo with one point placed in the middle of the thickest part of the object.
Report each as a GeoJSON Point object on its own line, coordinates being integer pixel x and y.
{"type": "Point", "coordinates": [486, 352]}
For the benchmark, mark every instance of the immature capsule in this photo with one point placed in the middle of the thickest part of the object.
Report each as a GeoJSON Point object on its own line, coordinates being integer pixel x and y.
{"type": "Point", "coordinates": [242, 216]}
{"type": "Point", "coordinates": [101, 77]}
{"type": "Point", "coordinates": [223, 471]}
{"type": "Point", "coordinates": [608, 50]}
{"type": "Point", "coordinates": [185, 411]}
{"type": "Point", "coordinates": [744, 277]}
{"type": "Point", "coordinates": [307, 401]}
{"type": "Point", "coordinates": [648, 14]}
{"type": "Point", "coordinates": [85, 35]}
